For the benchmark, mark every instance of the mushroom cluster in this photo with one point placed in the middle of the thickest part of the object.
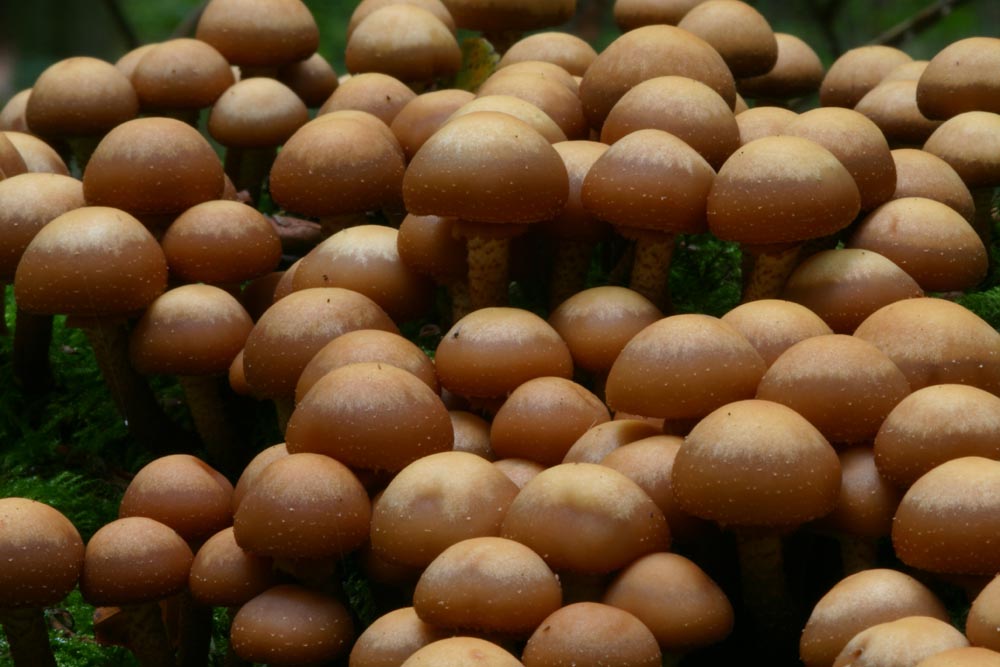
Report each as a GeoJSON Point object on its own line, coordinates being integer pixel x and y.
{"type": "Point", "coordinates": [498, 441]}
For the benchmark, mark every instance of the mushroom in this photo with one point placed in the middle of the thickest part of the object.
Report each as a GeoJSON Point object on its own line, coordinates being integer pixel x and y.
{"type": "Point", "coordinates": [559, 102]}
{"type": "Point", "coordinates": [392, 638]}
{"type": "Point", "coordinates": [601, 440]}
{"type": "Point", "coordinates": [38, 156]}
{"type": "Point", "coordinates": [312, 79]}
{"type": "Point", "coordinates": [427, 244]}
{"type": "Point", "coordinates": [591, 634]}
{"type": "Point", "coordinates": [959, 79]}
{"type": "Point", "coordinates": [900, 643]}
{"type": "Point", "coordinates": [982, 622]}
{"type": "Point", "coordinates": [797, 72]}
{"type": "Point", "coordinates": [750, 50]}
{"type": "Point", "coordinates": [379, 94]}
{"type": "Point", "coordinates": [856, 72]}
{"type": "Point", "coordinates": [424, 114]}
{"type": "Point", "coordinates": [923, 174]}
{"type": "Point", "coordinates": [367, 7]}
{"type": "Point", "coordinates": [774, 325]}
{"type": "Point", "coordinates": [461, 651]}
{"type": "Point", "coordinates": [559, 48]}
{"type": "Point", "coordinates": [503, 23]}
{"type": "Point", "coordinates": [632, 14]}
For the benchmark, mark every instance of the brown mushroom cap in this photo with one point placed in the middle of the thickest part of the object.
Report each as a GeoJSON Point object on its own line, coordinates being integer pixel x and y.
{"type": "Point", "coordinates": [392, 638]}
{"type": "Point", "coordinates": [259, 33]}
{"type": "Point", "coordinates": [781, 190]}
{"type": "Point", "coordinates": [867, 500]}
{"type": "Point", "coordinates": [80, 97]}
{"type": "Point", "coordinates": [601, 440]}
{"type": "Point", "coordinates": [970, 143]}
{"type": "Point", "coordinates": [516, 107]}
{"type": "Point", "coordinates": [632, 14]}
{"type": "Point", "coordinates": [423, 116]}
{"type": "Point", "coordinates": [756, 463]}
{"type": "Point", "coordinates": [312, 79]}
{"type": "Point", "coordinates": [189, 330]}
{"type": "Point", "coordinates": [256, 112]}
{"type": "Point", "coordinates": [927, 239]}
{"type": "Point", "coordinates": [379, 94]}
{"type": "Point", "coordinates": [303, 506]}
{"type": "Point", "coordinates": [28, 202]}
{"type": "Point", "coordinates": [12, 114]}
{"type": "Point", "coordinates": [461, 651]}
{"type": "Point", "coordinates": [291, 625]}
{"type": "Point", "coordinates": [511, 14]}
{"type": "Point", "coordinates": [923, 174]}
{"type": "Point", "coordinates": [42, 554]}
{"type": "Point", "coordinates": [858, 602]}
{"type": "Point", "coordinates": [558, 102]}
{"type": "Point", "coordinates": [254, 468]}
{"type": "Point", "coordinates": [948, 519]}
{"type": "Point", "coordinates": [134, 560]}
{"type": "Point", "coordinates": [645, 53]}
{"type": "Point", "coordinates": [740, 34]}
{"type": "Point", "coordinates": [559, 48]}
{"type": "Point", "coordinates": [542, 70]}
{"type": "Point", "coordinates": [774, 325]}
{"type": "Point", "coordinates": [683, 367]}
{"type": "Point", "coordinates": [982, 621]}
{"type": "Point", "coordinates": [798, 71]}
{"type": "Point", "coordinates": [966, 656]}
{"type": "Point", "coordinates": [590, 634]}
{"type": "Point", "coordinates": [960, 78]}
{"type": "Point", "coordinates": [38, 156]}
{"type": "Point", "coordinates": [90, 261]}
{"type": "Point", "coordinates": [681, 604]}
{"type": "Point", "coordinates": [843, 385]}
{"type": "Point", "coordinates": [905, 641]}
{"type": "Point", "coordinates": [857, 71]}
{"type": "Point", "coordinates": [366, 8]}
{"type": "Point", "coordinates": [933, 425]}
{"type": "Point", "coordinates": [153, 166]}
{"type": "Point", "coordinates": [892, 105]}
{"type": "Point", "coordinates": [763, 121]}
{"type": "Point", "coordinates": [487, 584]}
{"type": "Point", "coordinates": [492, 351]}
{"type": "Point", "coordinates": [609, 517]}
{"type": "Point", "coordinates": [11, 162]}
{"type": "Point", "coordinates": [182, 492]}
{"type": "Point", "coordinates": [181, 74]}
{"type": "Point", "coordinates": [934, 341]}
{"type": "Point", "coordinates": [576, 223]}
{"type": "Point", "coordinates": [224, 575]}
{"type": "Point", "coordinates": [405, 41]}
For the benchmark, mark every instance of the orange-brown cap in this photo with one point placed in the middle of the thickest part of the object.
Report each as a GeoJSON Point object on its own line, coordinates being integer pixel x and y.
{"type": "Point", "coordinates": [856, 72]}
{"type": "Point", "coordinates": [256, 112]}
{"type": "Point", "coordinates": [461, 651]}
{"type": "Point", "coordinates": [312, 79]}
{"type": "Point", "coordinates": [392, 638]}
{"type": "Point", "coordinates": [38, 156]}
{"type": "Point", "coordinates": [367, 7]}
{"type": "Point", "coordinates": [591, 634]}
{"type": "Point", "coordinates": [379, 94]}
{"type": "Point", "coordinates": [405, 41]}
{"type": "Point", "coordinates": [259, 33]}
{"type": "Point", "coordinates": [905, 641]}
{"type": "Point", "coordinates": [510, 15]}
{"type": "Point", "coordinates": [774, 325]}
{"type": "Point", "coordinates": [559, 48]}
{"type": "Point", "coordinates": [424, 114]}
{"type": "Point", "coordinates": [181, 74]}
{"type": "Point", "coordinates": [224, 575]}
{"type": "Point", "coordinates": [923, 174]}
{"type": "Point", "coordinates": [797, 72]}
{"type": "Point", "coordinates": [28, 202]}
{"type": "Point", "coordinates": [960, 78]}
{"type": "Point", "coordinates": [740, 34]}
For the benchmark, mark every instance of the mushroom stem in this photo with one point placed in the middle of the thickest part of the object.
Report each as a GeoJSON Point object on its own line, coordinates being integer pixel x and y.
{"type": "Point", "coordinates": [771, 267]}
{"type": "Point", "coordinates": [32, 338]}
{"type": "Point", "coordinates": [148, 638]}
{"type": "Point", "coordinates": [195, 632]}
{"type": "Point", "coordinates": [569, 269]}
{"type": "Point", "coordinates": [205, 396]}
{"type": "Point", "coordinates": [284, 406]}
{"type": "Point", "coordinates": [857, 553]}
{"type": "Point", "coordinates": [983, 200]}
{"type": "Point", "coordinates": [135, 401]}
{"type": "Point", "coordinates": [28, 637]}
{"type": "Point", "coordinates": [461, 302]}
{"type": "Point", "coordinates": [249, 167]}
{"type": "Point", "coordinates": [765, 592]}
{"type": "Point", "coordinates": [488, 271]}
{"type": "Point", "coordinates": [651, 269]}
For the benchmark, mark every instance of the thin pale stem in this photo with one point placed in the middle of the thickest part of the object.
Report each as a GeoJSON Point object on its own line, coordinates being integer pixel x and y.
{"type": "Point", "coordinates": [148, 638]}
{"type": "Point", "coordinates": [766, 596]}
{"type": "Point", "coordinates": [205, 396]}
{"type": "Point", "coordinates": [569, 269]}
{"type": "Point", "coordinates": [488, 271]}
{"type": "Point", "coordinates": [651, 269]}
{"type": "Point", "coordinates": [770, 272]}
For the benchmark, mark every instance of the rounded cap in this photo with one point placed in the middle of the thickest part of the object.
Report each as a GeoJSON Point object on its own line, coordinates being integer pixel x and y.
{"type": "Point", "coordinates": [632, 14]}
{"type": "Point", "coordinates": [905, 641]}
{"type": "Point", "coordinates": [797, 72]}
{"type": "Point", "coordinates": [38, 156]}
{"type": "Point", "coordinates": [28, 202]}
{"type": "Point", "coordinates": [423, 116]}
{"type": "Point", "coordinates": [970, 143]}
{"type": "Point", "coordinates": [259, 33]}
{"type": "Point", "coordinates": [80, 97]}
{"type": "Point", "coordinates": [312, 79]}
{"type": "Point", "coordinates": [379, 94]}
{"type": "Point", "coordinates": [590, 634]}
{"type": "Point", "coordinates": [519, 15]}
{"type": "Point", "coordinates": [181, 74]}
{"type": "Point", "coordinates": [224, 575]}
{"type": "Point", "coordinates": [923, 174]}
{"type": "Point", "coordinates": [392, 638]}
{"type": "Point", "coordinates": [867, 500]}
{"type": "Point", "coordinates": [576, 222]}
{"type": "Point", "coordinates": [740, 34]}
{"type": "Point", "coordinates": [12, 113]}
{"type": "Point", "coordinates": [256, 466]}
{"type": "Point", "coordinates": [256, 113]}
{"type": "Point", "coordinates": [366, 8]}
{"type": "Point", "coordinates": [960, 78]}
{"type": "Point", "coordinates": [428, 244]}
{"type": "Point", "coordinates": [981, 623]}
{"type": "Point", "coordinates": [763, 121]}
{"type": "Point", "coordinates": [559, 102]}
{"type": "Point", "coordinates": [892, 105]}
{"type": "Point", "coordinates": [965, 656]}
{"type": "Point", "coordinates": [42, 554]}
{"type": "Point", "coordinates": [404, 41]}
{"type": "Point", "coordinates": [599, 441]}
{"type": "Point", "coordinates": [461, 651]}
{"type": "Point", "coordinates": [856, 72]}
{"type": "Point", "coordinates": [559, 48]}
{"type": "Point", "coordinates": [772, 326]}
{"type": "Point", "coordinates": [518, 108]}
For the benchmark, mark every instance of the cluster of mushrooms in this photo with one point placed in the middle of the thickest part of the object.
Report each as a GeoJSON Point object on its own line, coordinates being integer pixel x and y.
{"type": "Point", "coordinates": [616, 485]}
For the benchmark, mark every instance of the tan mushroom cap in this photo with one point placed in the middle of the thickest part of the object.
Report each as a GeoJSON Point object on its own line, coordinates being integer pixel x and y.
{"type": "Point", "coordinates": [683, 367]}
{"type": "Point", "coordinates": [424, 115]}
{"type": "Point", "coordinates": [90, 261]}
{"type": "Point", "coordinates": [740, 34]}
{"type": "Point", "coordinates": [949, 517]}
{"type": "Point", "coordinates": [190, 330]}
{"type": "Point", "coordinates": [855, 72]}
{"type": "Point", "coordinates": [756, 463]}
{"type": "Point", "coordinates": [858, 602]}
{"type": "Point", "coordinates": [366, 8]}
{"type": "Point", "coordinates": [675, 599]}
{"type": "Point", "coordinates": [369, 119]}
{"type": "Point", "coordinates": [781, 190]}
{"type": "Point", "coordinates": [292, 625]}
{"type": "Point", "coordinates": [28, 202]}
{"type": "Point", "coordinates": [38, 156]}
{"type": "Point", "coordinates": [436, 501]}
{"type": "Point", "coordinates": [510, 105]}
{"type": "Point", "coordinates": [257, 112]}
{"type": "Point", "coordinates": [367, 345]}
{"type": "Point", "coordinates": [970, 143]}
{"type": "Point", "coordinates": [843, 385]}
{"type": "Point", "coordinates": [181, 74]}
{"type": "Point", "coordinates": [576, 223]}
{"type": "Point", "coordinates": [859, 145]}
{"type": "Point", "coordinates": [543, 417]}
{"type": "Point", "coordinates": [392, 638]}
{"type": "Point", "coordinates": [892, 105]}
{"type": "Point", "coordinates": [461, 652]}
{"type": "Point", "coordinates": [598, 322]}
{"type": "Point", "coordinates": [404, 41]}
{"type": "Point", "coordinates": [224, 575]}
{"type": "Point", "coordinates": [650, 179]}
{"type": "Point", "coordinates": [153, 166]}
{"type": "Point", "coordinates": [312, 79]}
{"type": "Point", "coordinates": [797, 72]}
{"type": "Point", "coordinates": [966, 656]}
{"type": "Point", "coordinates": [519, 471]}
{"type": "Point", "coordinates": [42, 554]}
{"type": "Point", "coordinates": [182, 492]}
{"type": "Point", "coordinates": [632, 14]}
{"type": "Point", "coordinates": [763, 121]}
{"type": "Point", "coordinates": [492, 351]}
{"type": "Point", "coordinates": [472, 434]}
{"type": "Point", "coordinates": [867, 500]}
{"type": "Point", "coordinates": [134, 560]}
{"type": "Point", "coordinates": [559, 48]}
{"type": "Point", "coordinates": [427, 244]}
{"type": "Point", "coordinates": [687, 109]}
{"type": "Point", "coordinates": [927, 239]}
{"type": "Point", "coordinates": [601, 440]}
{"type": "Point", "coordinates": [365, 259]}
{"type": "Point", "coordinates": [559, 102]}
{"type": "Point", "coordinates": [379, 94]}
{"type": "Point", "coordinates": [984, 615]}
{"type": "Point", "coordinates": [774, 325]}
{"type": "Point", "coordinates": [80, 97]}
{"type": "Point", "coordinates": [11, 162]}
{"type": "Point", "coordinates": [510, 15]}
{"type": "Point", "coordinates": [900, 643]}
{"type": "Point", "coordinates": [908, 71]}
{"type": "Point", "coordinates": [586, 518]}
{"type": "Point", "coordinates": [645, 53]}
{"type": "Point", "coordinates": [591, 634]}
{"type": "Point", "coordinates": [253, 469]}
{"type": "Point", "coordinates": [845, 286]}
{"type": "Point", "coordinates": [12, 114]}
{"type": "Point", "coordinates": [542, 70]}
{"type": "Point", "coordinates": [488, 585]}
{"type": "Point", "coordinates": [259, 33]}
{"type": "Point", "coordinates": [370, 415]}
{"type": "Point", "coordinates": [923, 174]}
{"type": "Point", "coordinates": [221, 243]}
{"type": "Point", "coordinates": [336, 166]}
{"type": "Point", "coordinates": [960, 78]}
{"type": "Point", "coordinates": [303, 506]}
{"type": "Point", "coordinates": [934, 341]}
{"type": "Point", "coordinates": [933, 425]}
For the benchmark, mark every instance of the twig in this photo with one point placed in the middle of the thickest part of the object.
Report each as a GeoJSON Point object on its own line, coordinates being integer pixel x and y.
{"type": "Point", "coordinates": [917, 23]}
